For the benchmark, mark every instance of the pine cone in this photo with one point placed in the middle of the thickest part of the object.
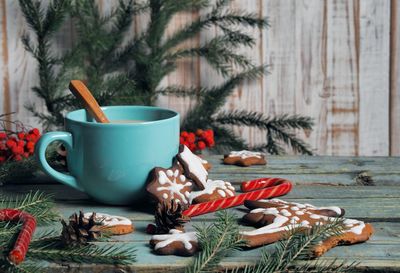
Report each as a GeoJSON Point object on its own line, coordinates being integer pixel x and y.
{"type": "Point", "coordinates": [79, 230]}
{"type": "Point", "coordinates": [169, 216]}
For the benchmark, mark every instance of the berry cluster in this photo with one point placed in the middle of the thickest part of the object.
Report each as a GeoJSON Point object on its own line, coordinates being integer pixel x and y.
{"type": "Point", "coordinates": [15, 146]}
{"type": "Point", "coordinates": [199, 140]}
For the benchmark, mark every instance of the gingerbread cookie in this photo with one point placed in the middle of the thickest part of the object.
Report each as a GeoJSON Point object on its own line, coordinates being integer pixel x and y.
{"type": "Point", "coordinates": [275, 217]}
{"type": "Point", "coordinates": [175, 242]}
{"type": "Point", "coordinates": [116, 225]}
{"type": "Point", "coordinates": [245, 158]}
{"type": "Point", "coordinates": [193, 166]}
{"type": "Point", "coordinates": [207, 165]}
{"type": "Point", "coordinates": [214, 189]}
{"type": "Point", "coordinates": [169, 184]}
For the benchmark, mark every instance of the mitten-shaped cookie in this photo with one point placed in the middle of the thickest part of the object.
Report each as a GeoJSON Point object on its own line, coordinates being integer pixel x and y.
{"type": "Point", "coordinates": [275, 217]}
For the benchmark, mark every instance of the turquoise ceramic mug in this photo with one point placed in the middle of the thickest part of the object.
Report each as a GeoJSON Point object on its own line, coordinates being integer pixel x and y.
{"type": "Point", "coordinates": [111, 162]}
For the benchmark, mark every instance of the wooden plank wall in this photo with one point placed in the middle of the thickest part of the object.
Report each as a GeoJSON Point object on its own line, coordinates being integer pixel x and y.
{"type": "Point", "coordinates": [334, 60]}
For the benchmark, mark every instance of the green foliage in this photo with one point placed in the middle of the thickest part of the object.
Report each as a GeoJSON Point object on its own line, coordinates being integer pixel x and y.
{"type": "Point", "coordinates": [291, 255]}
{"type": "Point", "coordinates": [216, 241]}
{"type": "Point", "coordinates": [119, 70]}
{"type": "Point", "coordinates": [47, 246]}
{"type": "Point", "coordinates": [36, 203]}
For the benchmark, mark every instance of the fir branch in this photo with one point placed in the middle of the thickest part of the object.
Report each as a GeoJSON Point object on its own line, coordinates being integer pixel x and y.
{"type": "Point", "coordinates": [276, 128]}
{"type": "Point", "coordinates": [36, 203]}
{"type": "Point", "coordinates": [182, 91]}
{"type": "Point", "coordinates": [90, 253]}
{"type": "Point", "coordinates": [12, 170]}
{"type": "Point", "coordinates": [298, 246]}
{"type": "Point", "coordinates": [216, 242]}
{"type": "Point", "coordinates": [202, 113]}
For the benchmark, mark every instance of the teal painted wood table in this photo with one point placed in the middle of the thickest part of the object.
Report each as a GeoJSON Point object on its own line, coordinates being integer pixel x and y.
{"type": "Point", "coordinates": [368, 188]}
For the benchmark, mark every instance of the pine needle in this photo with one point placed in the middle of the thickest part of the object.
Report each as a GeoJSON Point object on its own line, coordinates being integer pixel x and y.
{"type": "Point", "coordinates": [39, 204]}
{"type": "Point", "coordinates": [216, 242]}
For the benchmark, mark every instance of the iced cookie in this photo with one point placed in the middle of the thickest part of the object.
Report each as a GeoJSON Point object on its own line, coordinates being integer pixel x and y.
{"type": "Point", "coordinates": [175, 242]}
{"type": "Point", "coordinates": [245, 158]}
{"type": "Point", "coordinates": [207, 165]}
{"type": "Point", "coordinates": [275, 217]}
{"type": "Point", "coordinates": [214, 189]}
{"type": "Point", "coordinates": [169, 184]}
{"type": "Point", "coordinates": [193, 166]}
{"type": "Point", "coordinates": [116, 225]}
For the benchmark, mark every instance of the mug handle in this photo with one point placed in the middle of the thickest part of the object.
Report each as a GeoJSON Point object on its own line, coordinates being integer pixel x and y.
{"type": "Point", "coordinates": [40, 152]}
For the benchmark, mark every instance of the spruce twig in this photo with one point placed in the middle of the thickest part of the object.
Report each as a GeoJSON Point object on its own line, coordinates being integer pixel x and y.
{"type": "Point", "coordinates": [36, 203]}
{"type": "Point", "coordinates": [216, 242]}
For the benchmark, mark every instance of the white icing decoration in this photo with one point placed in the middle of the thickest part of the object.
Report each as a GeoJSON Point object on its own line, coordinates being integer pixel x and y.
{"type": "Point", "coordinates": [358, 226]}
{"type": "Point", "coordinates": [223, 188]}
{"type": "Point", "coordinates": [304, 223]}
{"type": "Point", "coordinates": [171, 185]}
{"type": "Point", "coordinates": [337, 210]}
{"type": "Point", "coordinates": [221, 193]}
{"type": "Point", "coordinates": [295, 208]}
{"type": "Point", "coordinates": [194, 164]}
{"type": "Point", "coordinates": [286, 213]}
{"type": "Point", "coordinates": [165, 196]}
{"type": "Point", "coordinates": [296, 218]}
{"type": "Point", "coordinates": [245, 154]}
{"type": "Point", "coordinates": [182, 178]}
{"type": "Point", "coordinates": [315, 216]}
{"type": "Point", "coordinates": [175, 236]}
{"type": "Point", "coordinates": [109, 220]}
{"type": "Point", "coordinates": [300, 212]}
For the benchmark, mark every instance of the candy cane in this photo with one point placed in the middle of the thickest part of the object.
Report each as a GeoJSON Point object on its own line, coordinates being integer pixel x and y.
{"type": "Point", "coordinates": [275, 187]}
{"type": "Point", "coordinates": [260, 183]}
{"type": "Point", "coordinates": [17, 254]}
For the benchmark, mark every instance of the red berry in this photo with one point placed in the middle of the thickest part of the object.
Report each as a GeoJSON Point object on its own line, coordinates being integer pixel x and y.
{"type": "Point", "coordinates": [199, 132]}
{"type": "Point", "coordinates": [30, 145]}
{"type": "Point", "coordinates": [2, 159]}
{"type": "Point", "coordinates": [21, 143]}
{"type": "Point", "coordinates": [21, 135]}
{"type": "Point", "coordinates": [181, 140]}
{"type": "Point", "coordinates": [11, 143]}
{"type": "Point", "coordinates": [192, 147]}
{"type": "Point", "coordinates": [35, 131]}
{"type": "Point", "coordinates": [26, 155]}
{"type": "Point", "coordinates": [151, 229]}
{"type": "Point", "coordinates": [3, 135]}
{"type": "Point", "coordinates": [184, 134]}
{"type": "Point", "coordinates": [191, 137]}
{"type": "Point", "coordinates": [201, 145]}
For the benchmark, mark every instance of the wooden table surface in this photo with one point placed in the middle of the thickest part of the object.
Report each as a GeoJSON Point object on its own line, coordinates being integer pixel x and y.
{"type": "Point", "coordinates": [368, 188]}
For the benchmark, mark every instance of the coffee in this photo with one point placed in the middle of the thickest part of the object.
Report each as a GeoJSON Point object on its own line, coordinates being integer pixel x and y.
{"type": "Point", "coordinates": [128, 121]}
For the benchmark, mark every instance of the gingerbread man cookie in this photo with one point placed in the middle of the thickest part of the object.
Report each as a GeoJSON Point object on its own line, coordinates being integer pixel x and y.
{"type": "Point", "coordinates": [214, 189]}
{"type": "Point", "coordinates": [176, 242]}
{"type": "Point", "coordinates": [275, 217]}
{"type": "Point", "coordinates": [245, 158]}
{"type": "Point", "coordinates": [193, 166]}
{"type": "Point", "coordinates": [116, 225]}
{"type": "Point", "coordinates": [169, 184]}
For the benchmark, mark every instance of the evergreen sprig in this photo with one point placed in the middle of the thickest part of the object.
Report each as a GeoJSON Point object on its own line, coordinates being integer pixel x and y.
{"type": "Point", "coordinates": [39, 204]}
{"type": "Point", "coordinates": [278, 128]}
{"type": "Point", "coordinates": [290, 255]}
{"type": "Point", "coordinates": [216, 241]}
{"type": "Point", "coordinates": [129, 71]}
{"type": "Point", "coordinates": [47, 245]}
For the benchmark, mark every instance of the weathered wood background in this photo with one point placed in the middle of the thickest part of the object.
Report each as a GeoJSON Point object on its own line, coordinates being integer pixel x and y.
{"type": "Point", "coordinates": [334, 60]}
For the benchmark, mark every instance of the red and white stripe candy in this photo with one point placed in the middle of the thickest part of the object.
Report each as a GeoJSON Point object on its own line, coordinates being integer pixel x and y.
{"type": "Point", "coordinates": [253, 190]}
{"type": "Point", "coordinates": [17, 254]}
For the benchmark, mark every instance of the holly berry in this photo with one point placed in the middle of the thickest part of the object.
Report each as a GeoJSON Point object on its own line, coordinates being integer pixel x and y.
{"type": "Point", "coordinates": [151, 229]}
